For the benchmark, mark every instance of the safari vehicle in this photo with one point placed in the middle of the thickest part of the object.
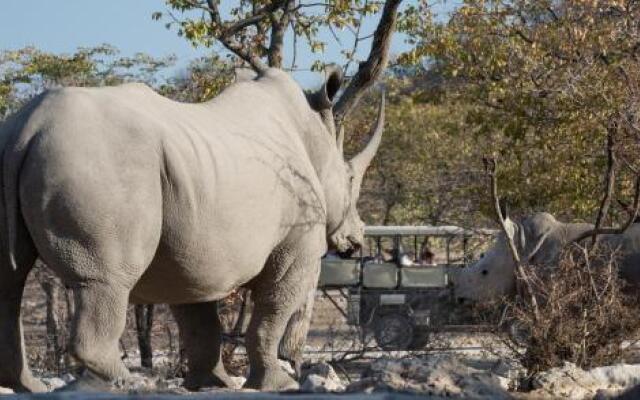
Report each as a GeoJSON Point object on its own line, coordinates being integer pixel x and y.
{"type": "Point", "coordinates": [392, 295]}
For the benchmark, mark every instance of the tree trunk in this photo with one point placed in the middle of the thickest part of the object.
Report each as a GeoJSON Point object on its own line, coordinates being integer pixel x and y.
{"type": "Point", "coordinates": [371, 69]}
{"type": "Point", "coordinates": [144, 324]}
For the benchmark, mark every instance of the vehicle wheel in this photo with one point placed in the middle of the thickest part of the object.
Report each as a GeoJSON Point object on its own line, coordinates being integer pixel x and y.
{"type": "Point", "coordinates": [420, 340]}
{"type": "Point", "coordinates": [393, 332]}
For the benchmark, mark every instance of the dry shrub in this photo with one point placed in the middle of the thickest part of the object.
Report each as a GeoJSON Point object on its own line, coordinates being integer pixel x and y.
{"type": "Point", "coordinates": [586, 312]}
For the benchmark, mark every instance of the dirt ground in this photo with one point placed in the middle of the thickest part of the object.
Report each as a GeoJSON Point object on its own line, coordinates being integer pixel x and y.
{"type": "Point", "coordinates": [330, 337]}
{"type": "Point", "coordinates": [457, 364]}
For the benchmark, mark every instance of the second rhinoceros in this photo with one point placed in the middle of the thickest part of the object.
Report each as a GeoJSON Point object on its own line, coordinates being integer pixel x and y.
{"type": "Point", "coordinates": [540, 239]}
{"type": "Point", "coordinates": [128, 195]}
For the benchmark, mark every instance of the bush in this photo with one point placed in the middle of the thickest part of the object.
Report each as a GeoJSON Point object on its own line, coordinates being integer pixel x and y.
{"type": "Point", "coordinates": [586, 312]}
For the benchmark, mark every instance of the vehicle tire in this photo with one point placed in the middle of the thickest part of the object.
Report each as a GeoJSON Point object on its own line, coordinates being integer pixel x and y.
{"type": "Point", "coordinates": [393, 332]}
{"type": "Point", "coordinates": [420, 340]}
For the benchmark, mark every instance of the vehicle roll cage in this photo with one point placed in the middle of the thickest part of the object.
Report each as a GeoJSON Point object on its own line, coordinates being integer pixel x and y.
{"type": "Point", "coordinates": [448, 232]}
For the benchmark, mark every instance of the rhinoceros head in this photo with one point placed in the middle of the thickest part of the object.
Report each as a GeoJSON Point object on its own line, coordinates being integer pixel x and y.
{"type": "Point", "coordinates": [494, 274]}
{"type": "Point", "coordinates": [345, 229]}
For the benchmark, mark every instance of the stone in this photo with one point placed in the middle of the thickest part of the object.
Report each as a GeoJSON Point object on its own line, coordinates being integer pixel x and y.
{"type": "Point", "coordinates": [434, 376]}
{"type": "Point", "coordinates": [53, 383]}
{"type": "Point", "coordinates": [4, 390]}
{"type": "Point", "coordinates": [572, 382]}
{"type": "Point", "coordinates": [321, 378]}
{"type": "Point", "coordinates": [286, 365]}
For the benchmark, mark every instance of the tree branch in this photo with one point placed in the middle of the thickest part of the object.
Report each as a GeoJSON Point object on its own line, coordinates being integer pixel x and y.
{"type": "Point", "coordinates": [620, 230]}
{"type": "Point", "coordinates": [370, 70]}
{"type": "Point", "coordinates": [226, 35]}
{"type": "Point", "coordinates": [278, 29]}
{"type": "Point", "coordinates": [490, 166]}
{"type": "Point", "coordinates": [609, 182]}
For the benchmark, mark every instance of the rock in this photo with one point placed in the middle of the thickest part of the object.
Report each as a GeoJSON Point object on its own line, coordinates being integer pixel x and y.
{"type": "Point", "coordinates": [53, 383]}
{"type": "Point", "coordinates": [138, 383]}
{"type": "Point", "coordinates": [572, 382]}
{"type": "Point", "coordinates": [67, 378]}
{"type": "Point", "coordinates": [434, 376]}
{"type": "Point", "coordinates": [618, 376]}
{"type": "Point", "coordinates": [321, 378]}
{"type": "Point", "coordinates": [238, 381]}
{"type": "Point", "coordinates": [365, 385]}
{"type": "Point", "coordinates": [4, 390]}
{"type": "Point", "coordinates": [170, 385]}
{"type": "Point", "coordinates": [287, 367]}
{"type": "Point", "coordinates": [319, 384]}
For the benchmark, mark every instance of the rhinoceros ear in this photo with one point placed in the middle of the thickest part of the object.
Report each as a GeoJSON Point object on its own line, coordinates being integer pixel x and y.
{"type": "Point", "coordinates": [322, 99]}
{"type": "Point", "coordinates": [243, 74]}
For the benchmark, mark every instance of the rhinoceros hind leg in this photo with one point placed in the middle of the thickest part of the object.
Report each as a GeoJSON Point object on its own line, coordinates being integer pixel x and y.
{"type": "Point", "coordinates": [100, 318]}
{"type": "Point", "coordinates": [14, 370]}
{"type": "Point", "coordinates": [275, 302]}
{"type": "Point", "coordinates": [292, 344]}
{"type": "Point", "coordinates": [201, 332]}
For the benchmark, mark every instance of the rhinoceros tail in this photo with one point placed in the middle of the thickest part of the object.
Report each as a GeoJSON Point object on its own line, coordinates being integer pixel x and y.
{"type": "Point", "coordinates": [13, 156]}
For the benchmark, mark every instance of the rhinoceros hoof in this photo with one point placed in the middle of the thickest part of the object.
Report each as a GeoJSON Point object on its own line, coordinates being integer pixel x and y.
{"type": "Point", "coordinates": [276, 380]}
{"type": "Point", "coordinates": [35, 385]}
{"type": "Point", "coordinates": [27, 384]}
{"type": "Point", "coordinates": [88, 382]}
{"type": "Point", "coordinates": [218, 380]}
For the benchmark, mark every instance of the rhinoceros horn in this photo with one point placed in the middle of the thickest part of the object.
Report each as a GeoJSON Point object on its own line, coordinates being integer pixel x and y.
{"type": "Point", "coordinates": [361, 161]}
{"type": "Point", "coordinates": [341, 139]}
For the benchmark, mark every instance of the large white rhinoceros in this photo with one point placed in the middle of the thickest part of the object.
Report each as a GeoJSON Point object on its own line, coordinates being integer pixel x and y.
{"type": "Point", "coordinates": [129, 196]}
{"type": "Point", "coordinates": [539, 238]}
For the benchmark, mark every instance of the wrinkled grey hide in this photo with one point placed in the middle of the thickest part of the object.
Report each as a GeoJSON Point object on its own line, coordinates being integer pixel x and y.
{"type": "Point", "coordinates": [539, 238]}
{"type": "Point", "coordinates": [127, 195]}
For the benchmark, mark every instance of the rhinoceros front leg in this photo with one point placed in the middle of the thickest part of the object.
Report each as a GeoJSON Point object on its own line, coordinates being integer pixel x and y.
{"type": "Point", "coordinates": [101, 312]}
{"type": "Point", "coordinates": [14, 370]}
{"type": "Point", "coordinates": [201, 333]}
{"type": "Point", "coordinates": [276, 299]}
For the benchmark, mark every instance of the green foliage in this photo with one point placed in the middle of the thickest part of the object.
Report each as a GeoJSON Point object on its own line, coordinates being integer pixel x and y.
{"type": "Point", "coordinates": [203, 80]}
{"type": "Point", "coordinates": [26, 72]}
{"type": "Point", "coordinates": [428, 168]}
{"type": "Point", "coordinates": [251, 24]}
{"type": "Point", "coordinates": [543, 83]}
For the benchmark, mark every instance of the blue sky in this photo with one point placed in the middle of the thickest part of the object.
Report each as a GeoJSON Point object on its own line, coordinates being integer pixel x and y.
{"type": "Point", "coordinates": [62, 26]}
